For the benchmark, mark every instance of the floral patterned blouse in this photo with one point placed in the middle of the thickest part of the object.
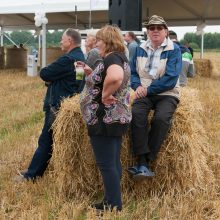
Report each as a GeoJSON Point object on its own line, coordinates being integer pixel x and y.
{"type": "Point", "coordinates": [111, 120]}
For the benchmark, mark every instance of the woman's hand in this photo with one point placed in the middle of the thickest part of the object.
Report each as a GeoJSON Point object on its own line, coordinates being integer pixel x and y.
{"type": "Point", "coordinates": [109, 100]}
{"type": "Point", "coordinates": [87, 69]}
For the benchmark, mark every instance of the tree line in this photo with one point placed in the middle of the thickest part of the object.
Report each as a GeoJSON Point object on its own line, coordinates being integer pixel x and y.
{"type": "Point", "coordinates": [211, 40]}
{"type": "Point", "coordinates": [27, 38]}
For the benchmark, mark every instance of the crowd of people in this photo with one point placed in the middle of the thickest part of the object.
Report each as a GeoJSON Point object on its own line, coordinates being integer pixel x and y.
{"type": "Point", "coordinates": [155, 69]}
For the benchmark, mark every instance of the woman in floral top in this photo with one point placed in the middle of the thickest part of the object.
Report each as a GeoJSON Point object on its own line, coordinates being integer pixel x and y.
{"type": "Point", "coordinates": [105, 108]}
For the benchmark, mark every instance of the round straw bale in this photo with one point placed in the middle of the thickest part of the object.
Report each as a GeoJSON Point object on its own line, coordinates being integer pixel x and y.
{"type": "Point", "coordinates": [181, 164]}
{"type": "Point", "coordinates": [203, 67]}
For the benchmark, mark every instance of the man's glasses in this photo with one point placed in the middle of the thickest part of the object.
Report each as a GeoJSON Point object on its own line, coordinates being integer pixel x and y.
{"type": "Point", "coordinates": [153, 28]}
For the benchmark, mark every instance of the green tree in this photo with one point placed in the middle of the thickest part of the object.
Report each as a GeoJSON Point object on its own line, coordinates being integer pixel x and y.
{"type": "Point", "coordinates": [211, 40]}
{"type": "Point", "coordinates": [22, 37]}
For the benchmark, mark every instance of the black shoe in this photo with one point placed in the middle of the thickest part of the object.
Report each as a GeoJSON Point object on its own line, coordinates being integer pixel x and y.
{"type": "Point", "coordinates": [102, 206]}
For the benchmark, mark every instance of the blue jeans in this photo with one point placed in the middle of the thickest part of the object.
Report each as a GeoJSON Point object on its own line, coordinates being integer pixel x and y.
{"type": "Point", "coordinates": [43, 153]}
{"type": "Point", "coordinates": [107, 154]}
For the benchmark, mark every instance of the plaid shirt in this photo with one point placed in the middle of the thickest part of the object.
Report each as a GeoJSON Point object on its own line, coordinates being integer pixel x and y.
{"type": "Point", "coordinates": [154, 58]}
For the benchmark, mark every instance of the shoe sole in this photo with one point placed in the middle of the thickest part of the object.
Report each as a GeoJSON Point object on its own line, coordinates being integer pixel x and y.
{"type": "Point", "coordinates": [142, 177]}
{"type": "Point", "coordinates": [131, 172]}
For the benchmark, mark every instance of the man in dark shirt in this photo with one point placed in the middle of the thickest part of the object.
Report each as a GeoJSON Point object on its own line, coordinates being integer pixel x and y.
{"type": "Point", "coordinates": [60, 79]}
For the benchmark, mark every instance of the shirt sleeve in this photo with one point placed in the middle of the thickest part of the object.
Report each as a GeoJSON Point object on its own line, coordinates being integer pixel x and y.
{"type": "Point", "coordinates": [135, 79]}
{"type": "Point", "coordinates": [169, 79]}
{"type": "Point", "coordinates": [59, 69]}
{"type": "Point", "coordinates": [113, 59]}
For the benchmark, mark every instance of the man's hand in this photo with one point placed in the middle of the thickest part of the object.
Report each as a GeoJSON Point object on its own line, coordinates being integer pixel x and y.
{"type": "Point", "coordinates": [140, 92]}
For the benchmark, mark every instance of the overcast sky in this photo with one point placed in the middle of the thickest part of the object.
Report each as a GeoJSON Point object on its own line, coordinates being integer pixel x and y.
{"type": "Point", "coordinates": [179, 30]}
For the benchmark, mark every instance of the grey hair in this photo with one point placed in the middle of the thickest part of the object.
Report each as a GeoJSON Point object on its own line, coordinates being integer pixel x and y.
{"type": "Point", "coordinates": [92, 33]}
{"type": "Point", "coordinates": [74, 35]}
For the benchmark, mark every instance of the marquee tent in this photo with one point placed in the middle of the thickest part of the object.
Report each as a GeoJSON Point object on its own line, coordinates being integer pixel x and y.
{"type": "Point", "coordinates": [62, 13]}
{"type": "Point", "coordinates": [85, 14]}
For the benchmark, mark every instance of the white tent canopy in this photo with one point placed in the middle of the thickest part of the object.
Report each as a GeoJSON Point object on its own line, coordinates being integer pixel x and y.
{"type": "Point", "coordinates": [94, 13]}
{"type": "Point", "coordinates": [62, 12]}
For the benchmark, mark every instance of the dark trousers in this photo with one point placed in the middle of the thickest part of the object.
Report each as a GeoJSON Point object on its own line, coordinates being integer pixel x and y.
{"type": "Point", "coordinates": [43, 153]}
{"type": "Point", "coordinates": [147, 138]}
{"type": "Point", "coordinates": [107, 154]}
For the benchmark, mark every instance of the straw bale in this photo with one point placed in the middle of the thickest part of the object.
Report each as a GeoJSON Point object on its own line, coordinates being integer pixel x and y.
{"type": "Point", "coordinates": [181, 164]}
{"type": "Point", "coordinates": [2, 57]}
{"type": "Point", "coordinates": [203, 67]}
{"type": "Point", "coordinates": [53, 53]}
{"type": "Point", "coordinates": [15, 58]}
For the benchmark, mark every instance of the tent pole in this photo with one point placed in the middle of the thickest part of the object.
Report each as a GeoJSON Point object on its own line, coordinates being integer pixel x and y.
{"type": "Point", "coordinates": [43, 45]}
{"type": "Point", "coordinates": [10, 40]}
{"type": "Point", "coordinates": [2, 37]}
{"type": "Point", "coordinates": [202, 45]}
{"type": "Point", "coordinates": [90, 14]}
{"type": "Point", "coordinates": [39, 50]}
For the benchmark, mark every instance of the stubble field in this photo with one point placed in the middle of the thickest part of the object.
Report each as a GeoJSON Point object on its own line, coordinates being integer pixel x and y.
{"type": "Point", "coordinates": [21, 120]}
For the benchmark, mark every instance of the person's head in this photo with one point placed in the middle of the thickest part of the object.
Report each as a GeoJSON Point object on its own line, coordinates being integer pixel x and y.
{"type": "Point", "coordinates": [70, 39]}
{"type": "Point", "coordinates": [172, 35]}
{"type": "Point", "coordinates": [157, 29]}
{"type": "Point", "coordinates": [90, 41]}
{"type": "Point", "coordinates": [185, 43]}
{"type": "Point", "coordinates": [109, 39]}
{"type": "Point", "coordinates": [129, 37]}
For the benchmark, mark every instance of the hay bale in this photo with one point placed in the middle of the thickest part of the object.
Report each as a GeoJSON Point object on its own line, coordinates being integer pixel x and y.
{"type": "Point", "coordinates": [52, 53]}
{"type": "Point", "coordinates": [15, 58]}
{"type": "Point", "coordinates": [2, 57]}
{"type": "Point", "coordinates": [181, 164]}
{"type": "Point", "coordinates": [203, 67]}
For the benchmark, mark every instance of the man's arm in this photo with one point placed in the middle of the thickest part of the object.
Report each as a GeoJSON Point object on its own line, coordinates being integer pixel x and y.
{"type": "Point", "coordinates": [59, 69]}
{"type": "Point", "coordinates": [135, 79]}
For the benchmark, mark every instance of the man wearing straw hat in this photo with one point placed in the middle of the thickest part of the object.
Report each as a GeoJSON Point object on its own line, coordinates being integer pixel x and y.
{"type": "Point", "coordinates": [155, 69]}
{"type": "Point", "coordinates": [61, 81]}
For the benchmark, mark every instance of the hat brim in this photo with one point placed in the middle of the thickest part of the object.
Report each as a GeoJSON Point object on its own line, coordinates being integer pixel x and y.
{"type": "Point", "coordinates": [145, 24]}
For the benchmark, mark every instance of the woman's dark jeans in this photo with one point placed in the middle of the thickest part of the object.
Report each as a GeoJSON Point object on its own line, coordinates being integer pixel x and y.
{"type": "Point", "coordinates": [107, 154]}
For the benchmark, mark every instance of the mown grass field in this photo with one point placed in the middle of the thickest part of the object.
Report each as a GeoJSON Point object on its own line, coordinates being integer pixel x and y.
{"type": "Point", "coordinates": [21, 119]}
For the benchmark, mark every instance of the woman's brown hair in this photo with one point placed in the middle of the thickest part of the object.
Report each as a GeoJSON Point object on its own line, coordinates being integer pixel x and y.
{"type": "Point", "coordinates": [112, 37]}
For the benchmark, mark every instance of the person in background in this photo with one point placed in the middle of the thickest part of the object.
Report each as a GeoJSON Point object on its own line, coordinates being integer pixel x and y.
{"type": "Point", "coordinates": [105, 109]}
{"type": "Point", "coordinates": [186, 44]}
{"type": "Point", "coordinates": [155, 70]}
{"type": "Point", "coordinates": [60, 79]}
{"type": "Point", "coordinates": [187, 60]}
{"type": "Point", "coordinates": [93, 57]}
{"type": "Point", "coordinates": [132, 44]}
{"type": "Point", "coordinates": [21, 46]}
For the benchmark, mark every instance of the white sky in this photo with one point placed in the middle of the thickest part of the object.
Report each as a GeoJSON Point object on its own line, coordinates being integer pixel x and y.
{"type": "Point", "coordinates": [179, 30]}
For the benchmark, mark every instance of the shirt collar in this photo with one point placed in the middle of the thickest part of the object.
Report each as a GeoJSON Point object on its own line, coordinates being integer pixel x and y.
{"type": "Point", "coordinates": [149, 45]}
